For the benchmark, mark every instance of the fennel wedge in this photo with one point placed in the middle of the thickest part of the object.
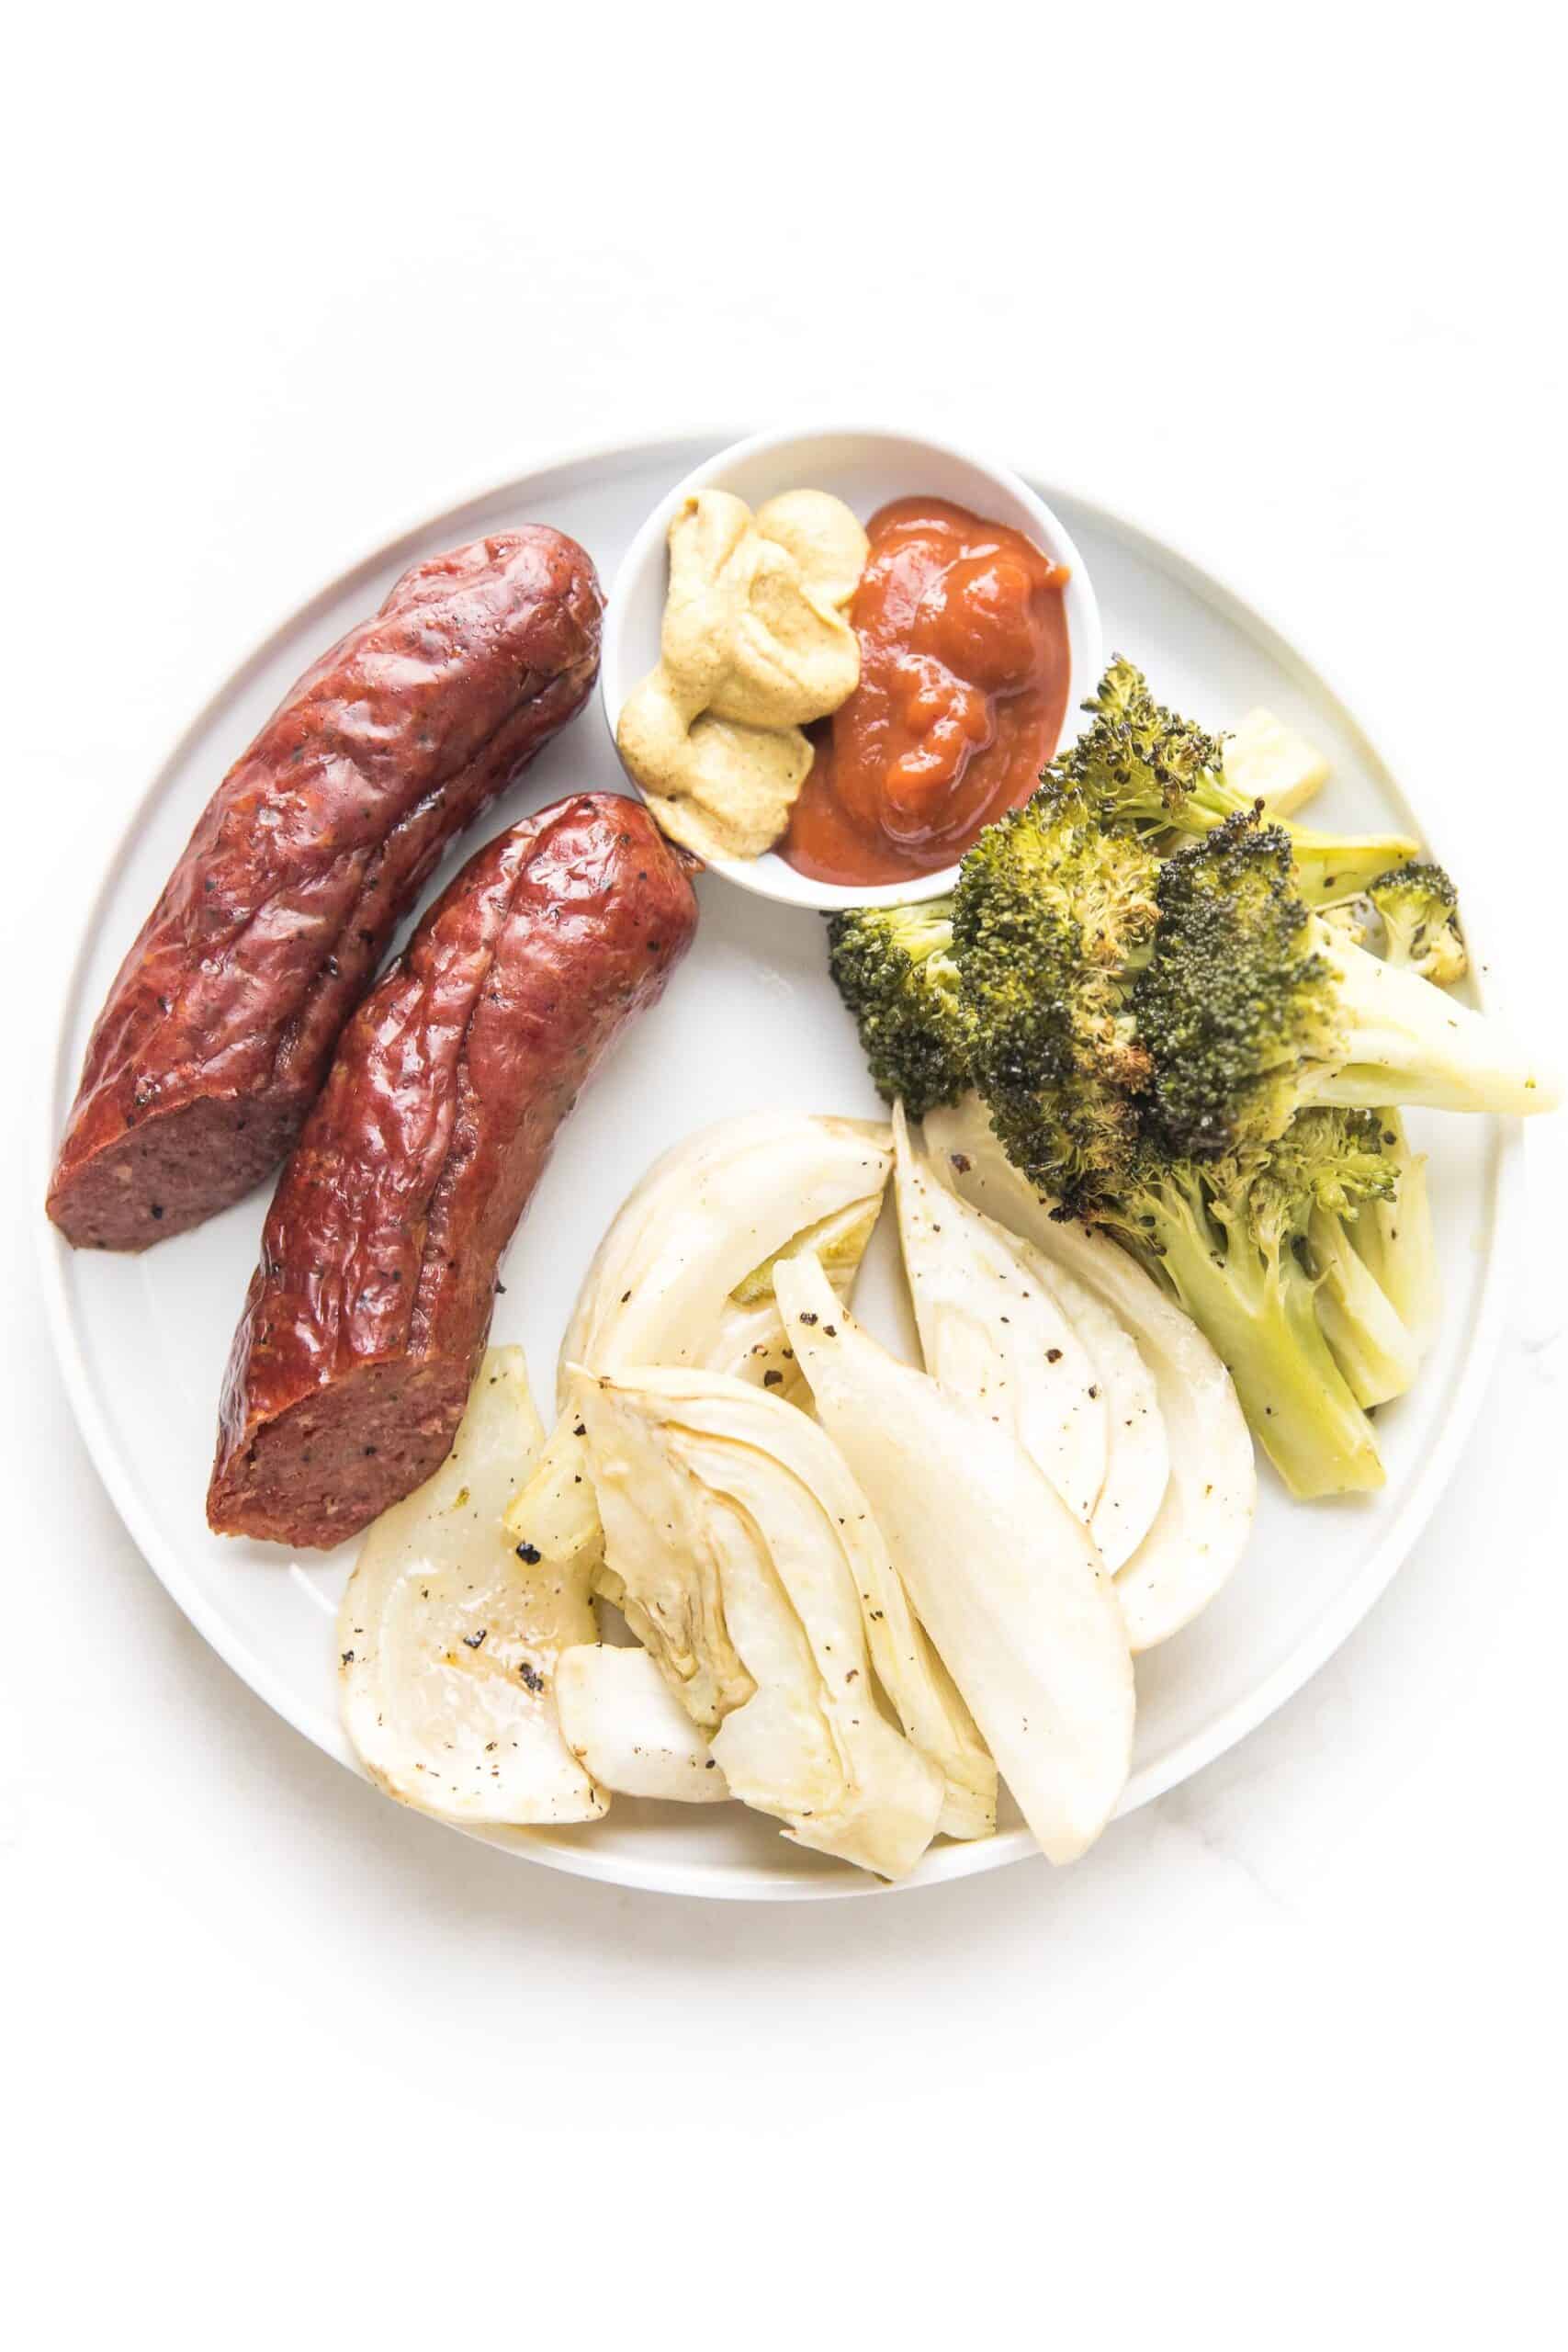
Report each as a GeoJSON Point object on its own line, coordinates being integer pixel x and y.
{"type": "Point", "coordinates": [1006, 1581]}
{"type": "Point", "coordinates": [683, 1277]}
{"type": "Point", "coordinates": [449, 1642]}
{"type": "Point", "coordinates": [1205, 1515]}
{"type": "Point", "coordinates": [628, 1732]}
{"type": "Point", "coordinates": [737, 1542]}
{"type": "Point", "coordinates": [1010, 1333]}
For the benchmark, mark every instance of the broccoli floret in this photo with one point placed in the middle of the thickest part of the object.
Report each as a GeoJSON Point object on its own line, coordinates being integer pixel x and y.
{"type": "Point", "coordinates": [1419, 906]}
{"type": "Point", "coordinates": [1237, 1242]}
{"type": "Point", "coordinates": [1348, 1161]}
{"type": "Point", "coordinates": [894, 969]}
{"type": "Point", "coordinates": [1355, 1175]}
{"type": "Point", "coordinates": [1235, 1004]}
{"type": "Point", "coordinates": [1341, 1157]}
{"type": "Point", "coordinates": [1252, 1008]}
{"type": "Point", "coordinates": [1053, 918]}
{"type": "Point", "coordinates": [1141, 764]}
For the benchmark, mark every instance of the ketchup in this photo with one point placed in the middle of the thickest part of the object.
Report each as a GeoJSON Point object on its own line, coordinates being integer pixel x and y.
{"type": "Point", "coordinates": [962, 689]}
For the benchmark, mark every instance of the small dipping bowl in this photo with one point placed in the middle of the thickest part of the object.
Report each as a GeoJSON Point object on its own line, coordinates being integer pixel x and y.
{"type": "Point", "coordinates": [867, 467]}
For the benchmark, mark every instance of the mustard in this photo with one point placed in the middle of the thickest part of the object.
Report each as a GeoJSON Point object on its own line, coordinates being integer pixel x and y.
{"type": "Point", "coordinates": [755, 644]}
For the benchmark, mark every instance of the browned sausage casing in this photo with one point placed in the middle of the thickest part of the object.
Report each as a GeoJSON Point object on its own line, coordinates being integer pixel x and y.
{"type": "Point", "coordinates": [369, 1309]}
{"type": "Point", "coordinates": [218, 1029]}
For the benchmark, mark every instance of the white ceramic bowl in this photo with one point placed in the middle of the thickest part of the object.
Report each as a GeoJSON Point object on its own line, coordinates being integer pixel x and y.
{"type": "Point", "coordinates": [865, 466]}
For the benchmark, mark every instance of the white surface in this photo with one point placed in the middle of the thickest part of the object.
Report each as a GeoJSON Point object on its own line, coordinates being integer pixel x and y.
{"type": "Point", "coordinates": [867, 467]}
{"type": "Point", "coordinates": [751, 1022]}
{"type": "Point", "coordinates": [285, 2065]}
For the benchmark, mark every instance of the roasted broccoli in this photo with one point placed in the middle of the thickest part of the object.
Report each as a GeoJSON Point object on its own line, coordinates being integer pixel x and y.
{"type": "Point", "coordinates": [1251, 1246]}
{"type": "Point", "coordinates": [1053, 919]}
{"type": "Point", "coordinates": [1100, 998]}
{"type": "Point", "coordinates": [1234, 1005]}
{"type": "Point", "coordinates": [1354, 1180]}
{"type": "Point", "coordinates": [1419, 906]}
{"type": "Point", "coordinates": [894, 969]}
{"type": "Point", "coordinates": [1250, 1008]}
{"type": "Point", "coordinates": [1141, 764]}
{"type": "Point", "coordinates": [1174, 1044]}
{"type": "Point", "coordinates": [1395, 1238]}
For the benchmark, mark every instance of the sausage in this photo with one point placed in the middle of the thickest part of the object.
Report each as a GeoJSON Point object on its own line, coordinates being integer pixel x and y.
{"type": "Point", "coordinates": [218, 1029]}
{"type": "Point", "coordinates": [368, 1311]}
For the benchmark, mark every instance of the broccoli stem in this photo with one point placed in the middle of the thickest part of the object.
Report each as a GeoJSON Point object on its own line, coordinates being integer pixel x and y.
{"type": "Point", "coordinates": [1396, 1241]}
{"type": "Point", "coordinates": [1408, 1042]}
{"type": "Point", "coordinates": [1372, 1346]}
{"type": "Point", "coordinates": [1328, 866]}
{"type": "Point", "coordinates": [1260, 1312]}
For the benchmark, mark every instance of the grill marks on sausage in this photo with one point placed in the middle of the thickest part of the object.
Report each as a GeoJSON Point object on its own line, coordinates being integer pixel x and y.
{"type": "Point", "coordinates": [371, 1305]}
{"type": "Point", "coordinates": [225, 1013]}
{"type": "Point", "coordinates": [397, 870]}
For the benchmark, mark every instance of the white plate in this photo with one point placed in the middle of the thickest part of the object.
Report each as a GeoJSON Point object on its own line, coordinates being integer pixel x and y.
{"type": "Point", "coordinates": [750, 1019]}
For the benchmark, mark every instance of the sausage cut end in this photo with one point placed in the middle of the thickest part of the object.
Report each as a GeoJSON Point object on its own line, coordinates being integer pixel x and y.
{"type": "Point", "coordinates": [174, 1170]}
{"type": "Point", "coordinates": [331, 1463]}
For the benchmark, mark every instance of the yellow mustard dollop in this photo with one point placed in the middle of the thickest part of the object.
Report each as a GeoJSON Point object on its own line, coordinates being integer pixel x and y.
{"type": "Point", "coordinates": [755, 644]}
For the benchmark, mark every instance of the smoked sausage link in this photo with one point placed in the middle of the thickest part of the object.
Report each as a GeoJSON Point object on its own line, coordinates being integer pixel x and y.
{"type": "Point", "coordinates": [218, 1029]}
{"type": "Point", "coordinates": [369, 1312]}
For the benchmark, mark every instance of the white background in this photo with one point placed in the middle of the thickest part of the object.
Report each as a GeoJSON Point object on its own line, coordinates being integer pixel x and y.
{"type": "Point", "coordinates": [1283, 2058]}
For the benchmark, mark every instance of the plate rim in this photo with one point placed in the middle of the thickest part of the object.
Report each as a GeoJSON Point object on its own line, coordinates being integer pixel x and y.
{"type": "Point", "coordinates": [1328, 1630]}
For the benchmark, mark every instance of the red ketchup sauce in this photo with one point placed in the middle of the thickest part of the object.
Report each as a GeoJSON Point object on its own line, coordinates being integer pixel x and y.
{"type": "Point", "coordinates": [962, 689]}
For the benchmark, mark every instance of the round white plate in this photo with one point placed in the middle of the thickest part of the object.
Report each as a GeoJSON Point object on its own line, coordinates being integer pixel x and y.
{"type": "Point", "coordinates": [750, 1019]}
